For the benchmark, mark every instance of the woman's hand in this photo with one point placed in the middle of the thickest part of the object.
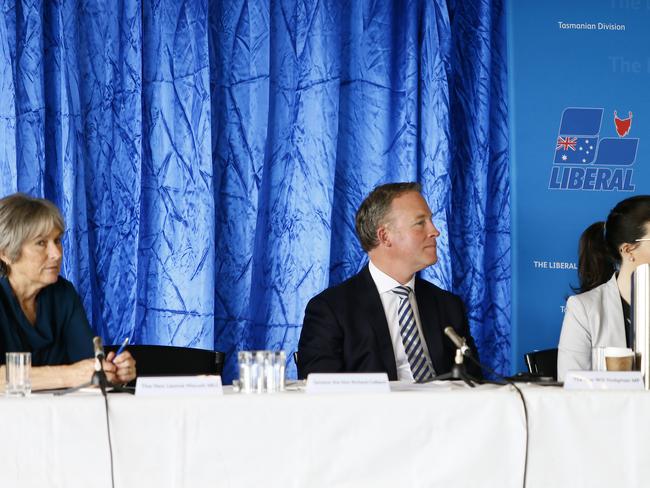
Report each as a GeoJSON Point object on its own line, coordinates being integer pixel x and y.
{"type": "Point", "coordinates": [76, 374]}
{"type": "Point", "coordinates": [122, 367]}
{"type": "Point", "coordinates": [122, 370]}
{"type": "Point", "coordinates": [119, 370]}
{"type": "Point", "coordinates": [82, 372]}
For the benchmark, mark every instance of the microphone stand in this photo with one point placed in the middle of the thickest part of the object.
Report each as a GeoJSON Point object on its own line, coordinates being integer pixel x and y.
{"type": "Point", "coordinates": [99, 376]}
{"type": "Point", "coordinates": [458, 371]}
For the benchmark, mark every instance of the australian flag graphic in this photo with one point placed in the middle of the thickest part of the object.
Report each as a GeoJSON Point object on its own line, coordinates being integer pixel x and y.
{"type": "Point", "coordinates": [586, 159]}
{"type": "Point", "coordinates": [578, 141]}
{"type": "Point", "coordinates": [578, 138]}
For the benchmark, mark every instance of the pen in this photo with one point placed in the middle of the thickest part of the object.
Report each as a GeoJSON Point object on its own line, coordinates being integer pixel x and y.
{"type": "Point", "coordinates": [119, 351]}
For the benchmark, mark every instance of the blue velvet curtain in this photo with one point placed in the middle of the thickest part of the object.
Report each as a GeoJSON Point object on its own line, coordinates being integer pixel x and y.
{"type": "Point", "coordinates": [208, 156]}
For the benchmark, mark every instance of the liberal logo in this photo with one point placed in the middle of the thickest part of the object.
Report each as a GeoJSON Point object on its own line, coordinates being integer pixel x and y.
{"type": "Point", "coordinates": [585, 160]}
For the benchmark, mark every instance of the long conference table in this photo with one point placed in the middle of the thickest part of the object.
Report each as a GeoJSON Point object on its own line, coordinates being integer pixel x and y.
{"type": "Point", "coordinates": [440, 434]}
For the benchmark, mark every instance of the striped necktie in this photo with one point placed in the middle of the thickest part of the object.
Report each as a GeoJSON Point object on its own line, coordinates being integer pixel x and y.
{"type": "Point", "coordinates": [408, 329]}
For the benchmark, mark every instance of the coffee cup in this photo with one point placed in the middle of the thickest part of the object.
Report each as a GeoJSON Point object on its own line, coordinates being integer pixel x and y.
{"type": "Point", "coordinates": [619, 358]}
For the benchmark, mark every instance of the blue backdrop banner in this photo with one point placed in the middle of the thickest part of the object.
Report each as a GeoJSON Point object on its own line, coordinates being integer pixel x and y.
{"type": "Point", "coordinates": [208, 157]}
{"type": "Point", "coordinates": [579, 74]}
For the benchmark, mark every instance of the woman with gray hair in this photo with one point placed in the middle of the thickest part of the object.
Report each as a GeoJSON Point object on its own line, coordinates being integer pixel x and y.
{"type": "Point", "coordinates": [40, 312]}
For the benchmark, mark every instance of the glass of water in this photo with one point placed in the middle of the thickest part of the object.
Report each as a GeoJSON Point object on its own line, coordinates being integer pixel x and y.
{"type": "Point", "coordinates": [18, 370]}
{"type": "Point", "coordinates": [245, 360]}
{"type": "Point", "coordinates": [261, 371]}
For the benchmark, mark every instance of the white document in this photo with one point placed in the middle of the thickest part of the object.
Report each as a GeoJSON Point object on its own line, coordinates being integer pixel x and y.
{"type": "Point", "coordinates": [178, 386]}
{"type": "Point", "coordinates": [347, 383]}
{"type": "Point", "coordinates": [603, 380]}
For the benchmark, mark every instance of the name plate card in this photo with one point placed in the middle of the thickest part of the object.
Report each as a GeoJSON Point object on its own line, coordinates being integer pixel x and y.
{"type": "Point", "coordinates": [178, 386]}
{"type": "Point", "coordinates": [347, 383]}
{"type": "Point", "coordinates": [603, 380]}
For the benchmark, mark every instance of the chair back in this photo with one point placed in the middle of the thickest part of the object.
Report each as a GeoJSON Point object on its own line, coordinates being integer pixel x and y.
{"type": "Point", "coordinates": [152, 360]}
{"type": "Point", "coordinates": [295, 360]}
{"type": "Point", "coordinates": [542, 363]}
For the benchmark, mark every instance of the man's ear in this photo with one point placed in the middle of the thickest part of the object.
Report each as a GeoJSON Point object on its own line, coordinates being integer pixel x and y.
{"type": "Point", "coordinates": [383, 237]}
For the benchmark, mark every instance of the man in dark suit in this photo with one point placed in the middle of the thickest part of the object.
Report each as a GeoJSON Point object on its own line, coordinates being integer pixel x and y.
{"type": "Point", "coordinates": [385, 319]}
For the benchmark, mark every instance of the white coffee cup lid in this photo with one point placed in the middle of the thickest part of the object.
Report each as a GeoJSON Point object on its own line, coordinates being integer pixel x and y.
{"type": "Point", "coordinates": [618, 352]}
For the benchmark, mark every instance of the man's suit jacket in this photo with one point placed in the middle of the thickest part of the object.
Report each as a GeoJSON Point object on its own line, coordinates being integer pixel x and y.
{"type": "Point", "coordinates": [594, 318]}
{"type": "Point", "coordinates": [345, 329]}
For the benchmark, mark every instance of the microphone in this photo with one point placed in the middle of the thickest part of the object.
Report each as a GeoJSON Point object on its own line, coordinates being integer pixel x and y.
{"type": "Point", "coordinates": [458, 341]}
{"type": "Point", "coordinates": [99, 352]}
{"type": "Point", "coordinates": [99, 377]}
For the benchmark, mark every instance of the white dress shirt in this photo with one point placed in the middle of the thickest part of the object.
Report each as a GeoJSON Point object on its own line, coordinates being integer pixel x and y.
{"type": "Point", "coordinates": [390, 301]}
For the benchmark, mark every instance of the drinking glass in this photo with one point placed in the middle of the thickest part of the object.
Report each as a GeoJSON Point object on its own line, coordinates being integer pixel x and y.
{"type": "Point", "coordinates": [18, 368]}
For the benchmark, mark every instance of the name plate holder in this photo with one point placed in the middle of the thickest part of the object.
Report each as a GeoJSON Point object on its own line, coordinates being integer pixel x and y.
{"type": "Point", "coordinates": [318, 383]}
{"type": "Point", "coordinates": [603, 380]}
{"type": "Point", "coordinates": [203, 385]}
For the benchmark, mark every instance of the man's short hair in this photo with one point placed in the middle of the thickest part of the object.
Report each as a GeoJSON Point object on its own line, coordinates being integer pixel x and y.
{"type": "Point", "coordinates": [373, 210]}
{"type": "Point", "coordinates": [23, 217]}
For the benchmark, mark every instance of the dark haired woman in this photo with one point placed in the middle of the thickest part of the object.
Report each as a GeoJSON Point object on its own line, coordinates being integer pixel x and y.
{"type": "Point", "coordinates": [608, 254]}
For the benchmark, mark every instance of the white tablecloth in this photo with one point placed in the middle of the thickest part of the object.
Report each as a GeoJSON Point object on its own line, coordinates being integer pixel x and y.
{"type": "Point", "coordinates": [588, 438]}
{"type": "Point", "coordinates": [441, 435]}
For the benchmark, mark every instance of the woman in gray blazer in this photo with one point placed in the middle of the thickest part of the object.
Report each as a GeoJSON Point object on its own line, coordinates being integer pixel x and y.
{"type": "Point", "coordinates": [608, 254]}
